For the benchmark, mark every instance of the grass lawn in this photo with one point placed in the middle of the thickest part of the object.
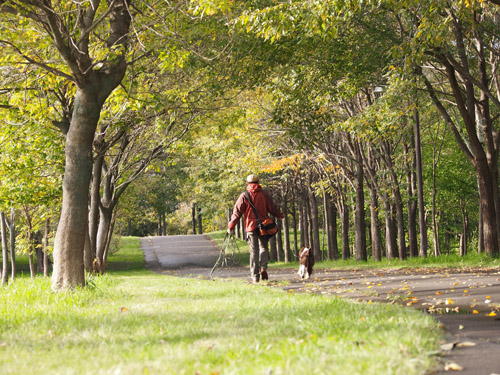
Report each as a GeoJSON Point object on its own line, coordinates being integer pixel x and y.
{"type": "Point", "coordinates": [132, 321]}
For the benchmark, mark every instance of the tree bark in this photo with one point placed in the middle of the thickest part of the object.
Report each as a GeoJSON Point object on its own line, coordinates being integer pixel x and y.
{"type": "Point", "coordinates": [46, 248]}
{"type": "Point", "coordinates": [286, 227]}
{"type": "Point", "coordinates": [279, 242]}
{"type": "Point", "coordinates": [295, 229]}
{"type": "Point", "coordinates": [412, 199]}
{"type": "Point", "coordinates": [316, 244]}
{"type": "Point", "coordinates": [5, 249]}
{"type": "Point", "coordinates": [193, 218]}
{"type": "Point", "coordinates": [331, 217]}
{"type": "Point", "coordinates": [390, 231]}
{"type": "Point", "coordinates": [424, 244]}
{"type": "Point", "coordinates": [273, 252]}
{"type": "Point", "coordinates": [346, 254]}
{"type": "Point", "coordinates": [375, 225]}
{"type": "Point", "coordinates": [12, 236]}
{"type": "Point", "coordinates": [359, 219]}
{"type": "Point", "coordinates": [70, 236]}
{"type": "Point", "coordinates": [95, 199]}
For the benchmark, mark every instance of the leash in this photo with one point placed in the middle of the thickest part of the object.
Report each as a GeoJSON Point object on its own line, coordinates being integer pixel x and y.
{"type": "Point", "coordinates": [229, 254]}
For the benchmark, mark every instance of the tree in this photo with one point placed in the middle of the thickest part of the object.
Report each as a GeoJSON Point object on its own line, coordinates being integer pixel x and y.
{"type": "Point", "coordinates": [75, 31]}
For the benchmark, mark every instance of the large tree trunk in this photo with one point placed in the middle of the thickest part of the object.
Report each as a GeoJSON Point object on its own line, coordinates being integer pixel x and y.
{"type": "Point", "coordinates": [70, 236]}
{"type": "Point", "coordinates": [486, 196]}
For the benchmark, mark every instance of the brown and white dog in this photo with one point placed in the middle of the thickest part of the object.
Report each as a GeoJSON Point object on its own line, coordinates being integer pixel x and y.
{"type": "Point", "coordinates": [306, 259]}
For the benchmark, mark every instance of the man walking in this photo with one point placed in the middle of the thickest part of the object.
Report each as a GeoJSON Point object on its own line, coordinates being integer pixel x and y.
{"type": "Point", "coordinates": [263, 203]}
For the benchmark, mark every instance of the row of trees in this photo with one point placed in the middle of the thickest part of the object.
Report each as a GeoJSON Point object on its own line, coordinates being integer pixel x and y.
{"type": "Point", "coordinates": [348, 101]}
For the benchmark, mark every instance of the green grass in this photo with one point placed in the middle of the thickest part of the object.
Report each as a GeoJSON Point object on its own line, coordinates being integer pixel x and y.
{"type": "Point", "coordinates": [137, 322]}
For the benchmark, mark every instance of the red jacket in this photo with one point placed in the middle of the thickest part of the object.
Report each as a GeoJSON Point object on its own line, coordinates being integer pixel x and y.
{"type": "Point", "coordinates": [262, 201]}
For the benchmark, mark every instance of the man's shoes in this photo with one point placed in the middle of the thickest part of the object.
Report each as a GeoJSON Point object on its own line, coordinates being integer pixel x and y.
{"type": "Point", "coordinates": [263, 274]}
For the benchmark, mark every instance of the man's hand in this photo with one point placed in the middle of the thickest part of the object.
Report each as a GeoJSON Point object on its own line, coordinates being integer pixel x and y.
{"type": "Point", "coordinates": [230, 231]}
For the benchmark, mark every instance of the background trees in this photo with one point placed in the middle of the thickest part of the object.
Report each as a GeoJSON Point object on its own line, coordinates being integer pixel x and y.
{"type": "Point", "coordinates": [331, 101]}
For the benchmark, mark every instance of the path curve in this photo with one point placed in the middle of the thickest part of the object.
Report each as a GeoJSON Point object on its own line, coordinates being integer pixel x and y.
{"type": "Point", "coordinates": [475, 293]}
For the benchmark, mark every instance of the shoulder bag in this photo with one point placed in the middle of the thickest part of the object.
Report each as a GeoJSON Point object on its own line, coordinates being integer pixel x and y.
{"type": "Point", "coordinates": [267, 227]}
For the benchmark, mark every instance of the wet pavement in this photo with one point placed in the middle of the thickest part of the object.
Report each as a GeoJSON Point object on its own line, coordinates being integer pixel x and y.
{"type": "Point", "coordinates": [465, 301]}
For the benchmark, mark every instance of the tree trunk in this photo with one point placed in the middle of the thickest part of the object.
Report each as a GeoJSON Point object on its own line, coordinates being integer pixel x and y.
{"type": "Point", "coordinates": [70, 236]}
{"type": "Point", "coordinates": [486, 196]}
{"type": "Point", "coordinates": [89, 254]}
{"type": "Point", "coordinates": [333, 246]}
{"type": "Point", "coordinates": [45, 248]}
{"type": "Point", "coordinates": [273, 253]}
{"type": "Point", "coordinates": [5, 249]}
{"type": "Point", "coordinates": [435, 226]}
{"type": "Point", "coordinates": [39, 252]}
{"type": "Point", "coordinates": [286, 227]}
{"type": "Point", "coordinates": [109, 237]}
{"type": "Point", "coordinates": [390, 232]}
{"type": "Point", "coordinates": [95, 198]}
{"type": "Point", "coordinates": [345, 230]}
{"type": "Point", "coordinates": [412, 200]}
{"type": "Point", "coordinates": [279, 242]}
{"type": "Point", "coordinates": [295, 229]}
{"type": "Point", "coordinates": [193, 217]}
{"type": "Point", "coordinates": [304, 240]}
{"type": "Point", "coordinates": [465, 229]}
{"type": "Point", "coordinates": [316, 244]}
{"type": "Point", "coordinates": [102, 234]}
{"type": "Point", "coordinates": [375, 225]}
{"type": "Point", "coordinates": [359, 218]}
{"type": "Point", "coordinates": [12, 234]}
{"type": "Point", "coordinates": [200, 227]}
{"type": "Point", "coordinates": [420, 188]}
{"type": "Point", "coordinates": [480, 232]}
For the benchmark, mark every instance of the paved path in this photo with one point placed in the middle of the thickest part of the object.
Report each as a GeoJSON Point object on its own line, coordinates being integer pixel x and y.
{"type": "Point", "coordinates": [464, 301]}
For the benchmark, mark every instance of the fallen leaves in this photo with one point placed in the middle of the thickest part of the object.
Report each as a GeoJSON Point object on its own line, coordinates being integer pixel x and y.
{"type": "Point", "coordinates": [453, 367]}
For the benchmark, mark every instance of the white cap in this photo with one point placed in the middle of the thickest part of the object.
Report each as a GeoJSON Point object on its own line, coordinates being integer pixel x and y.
{"type": "Point", "coordinates": [252, 178]}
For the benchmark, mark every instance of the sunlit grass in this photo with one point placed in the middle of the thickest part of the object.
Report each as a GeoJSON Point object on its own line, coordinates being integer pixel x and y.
{"type": "Point", "coordinates": [137, 322]}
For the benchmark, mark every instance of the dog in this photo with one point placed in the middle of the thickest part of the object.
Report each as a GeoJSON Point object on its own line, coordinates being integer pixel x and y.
{"type": "Point", "coordinates": [306, 259]}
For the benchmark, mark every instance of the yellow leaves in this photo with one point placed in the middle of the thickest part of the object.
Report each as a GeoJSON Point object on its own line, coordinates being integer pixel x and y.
{"type": "Point", "coordinates": [492, 314]}
{"type": "Point", "coordinates": [475, 312]}
{"type": "Point", "coordinates": [123, 309]}
{"type": "Point", "coordinates": [293, 161]}
{"type": "Point", "coordinates": [453, 367]}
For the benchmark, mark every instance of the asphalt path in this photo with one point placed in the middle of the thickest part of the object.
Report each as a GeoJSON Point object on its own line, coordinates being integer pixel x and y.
{"type": "Point", "coordinates": [465, 301]}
